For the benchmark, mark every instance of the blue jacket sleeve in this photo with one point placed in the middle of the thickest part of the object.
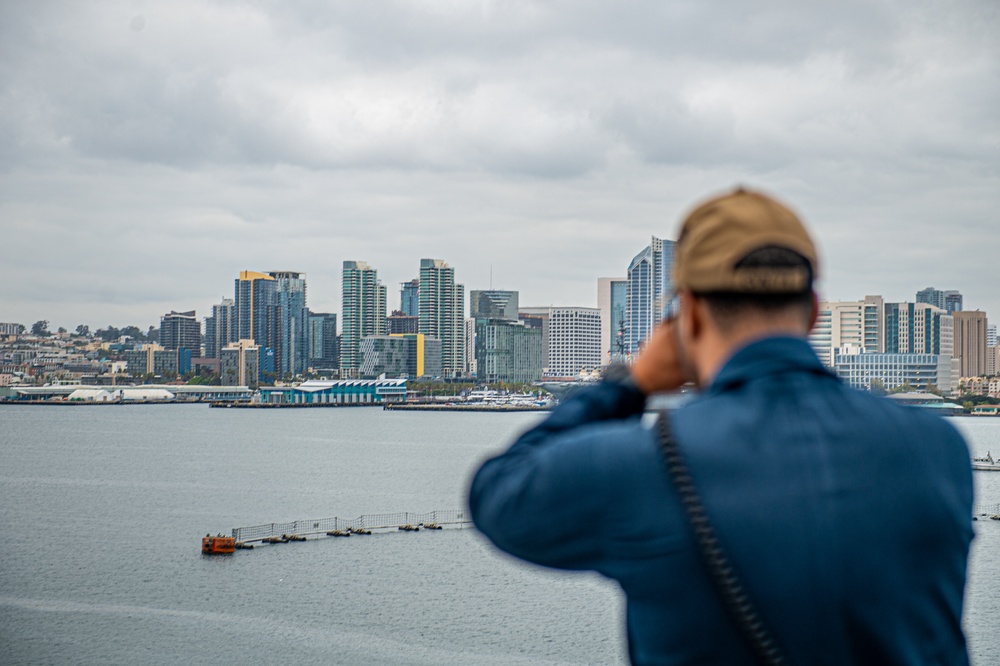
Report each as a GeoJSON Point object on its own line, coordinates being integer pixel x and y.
{"type": "Point", "coordinates": [541, 498]}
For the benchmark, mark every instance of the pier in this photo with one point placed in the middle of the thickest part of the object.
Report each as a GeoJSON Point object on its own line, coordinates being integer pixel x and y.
{"type": "Point", "coordinates": [300, 530]}
{"type": "Point", "coordinates": [458, 407]}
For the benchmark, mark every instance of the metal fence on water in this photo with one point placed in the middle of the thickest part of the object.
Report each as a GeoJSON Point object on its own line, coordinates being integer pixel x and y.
{"type": "Point", "coordinates": [985, 509]}
{"type": "Point", "coordinates": [374, 521]}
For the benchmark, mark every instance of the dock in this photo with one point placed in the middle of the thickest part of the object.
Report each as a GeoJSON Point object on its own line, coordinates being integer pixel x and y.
{"type": "Point", "coordinates": [456, 407]}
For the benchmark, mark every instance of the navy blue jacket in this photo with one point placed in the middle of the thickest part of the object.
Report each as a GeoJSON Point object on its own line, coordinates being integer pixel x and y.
{"type": "Point", "coordinates": [847, 516]}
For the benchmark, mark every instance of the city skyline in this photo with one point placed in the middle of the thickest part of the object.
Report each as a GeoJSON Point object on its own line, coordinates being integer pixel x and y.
{"type": "Point", "coordinates": [151, 150]}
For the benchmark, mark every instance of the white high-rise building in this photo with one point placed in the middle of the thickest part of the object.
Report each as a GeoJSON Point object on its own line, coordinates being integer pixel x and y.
{"type": "Point", "coordinates": [363, 313]}
{"type": "Point", "coordinates": [442, 313]}
{"type": "Point", "coordinates": [841, 323]}
{"type": "Point", "coordinates": [571, 337]}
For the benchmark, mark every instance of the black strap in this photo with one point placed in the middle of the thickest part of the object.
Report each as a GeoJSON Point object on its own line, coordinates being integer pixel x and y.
{"type": "Point", "coordinates": [724, 578]}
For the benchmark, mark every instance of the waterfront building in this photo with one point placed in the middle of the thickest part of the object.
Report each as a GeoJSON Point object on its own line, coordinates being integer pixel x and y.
{"type": "Point", "coordinates": [243, 363]}
{"type": "Point", "coordinates": [918, 328]}
{"type": "Point", "coordinates": [471, 367]}
{"type": "Point", "coordinates": [341, 392]}
{"type": "Point", "coordinates": [292, 351]}
{"type": "Point", "coordinates": [571, 338]}
{"type": "Point", "coordinates": [324, 345]}
{"type": "Point", "coordinates": [181, 330]}
{"type": "Point", "coordinates": [220, 327]}
{"type": "Point", "coordinates": [950, 300]}
{"type": "Point", "coordinates": [410, 355]}
{"type": "Point", "coordinates": [362, 311]}
{"type": "Point", "coordinates": [611, 301]}
{"type": "Point", "coordinates": [153, 359]}
{"type": "Point", "coordinates": [493, 304]}
{"type": "Point", "coordinates": [258, 314]}
{"type": "Point", "coordinates": [857, 323]}
{"type": "Point", "coordinates": [399, 323]}
{"type": "Point", "coordinates": [383, 355]}
{"type": "Point", "coordinates": [507, 351]}
{"type": "Point", "coordinates": [893, 370]}
{"type": "Point", "coordinates": [970, 342]}
{"type": "Point", "coordinates": [442, 313]}
{"type": "Point", "coordinates": [423, 355]}
{"type": "Point", "coordinates": [649, 287]}
{"type": "Point", "coordinates": [992, 361]}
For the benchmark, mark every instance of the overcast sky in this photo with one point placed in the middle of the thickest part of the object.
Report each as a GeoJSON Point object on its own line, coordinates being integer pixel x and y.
{"type": "Point", "coordinates": [149, 151]}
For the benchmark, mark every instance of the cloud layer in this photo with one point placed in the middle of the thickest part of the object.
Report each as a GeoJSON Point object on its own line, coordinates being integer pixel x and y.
{"type": "Point", "coordinates": [149, 151]}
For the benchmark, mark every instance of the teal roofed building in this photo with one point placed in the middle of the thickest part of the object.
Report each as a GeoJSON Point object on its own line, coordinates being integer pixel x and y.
{"type": "Point", "coordinates": [339, 392]}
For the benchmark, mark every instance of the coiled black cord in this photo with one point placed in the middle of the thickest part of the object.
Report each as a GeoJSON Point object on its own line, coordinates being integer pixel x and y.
{"type": "Point", "coordinates": [724, 578]}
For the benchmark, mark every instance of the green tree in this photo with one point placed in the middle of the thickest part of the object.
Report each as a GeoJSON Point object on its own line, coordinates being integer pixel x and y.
{"type": "Point", "coordinates": [877, 387]}
{"type": "Point", "coordinates": [40, 327]}
{"type": "Point", "coordinates": [83, 331]}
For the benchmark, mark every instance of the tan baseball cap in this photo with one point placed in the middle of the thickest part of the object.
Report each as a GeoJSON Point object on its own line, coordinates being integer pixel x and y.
{"type": "Point", "coordinates": [721, 232]}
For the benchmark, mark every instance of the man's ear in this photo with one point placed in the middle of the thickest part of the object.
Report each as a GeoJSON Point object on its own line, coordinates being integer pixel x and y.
{"type": "Point", "coordinates": [814, 313]}
{"type": "Point", "coordinates": [691, 319]}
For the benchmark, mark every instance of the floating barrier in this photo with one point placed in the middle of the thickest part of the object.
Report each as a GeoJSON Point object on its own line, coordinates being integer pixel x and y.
{"type": "Point", "coordinates": [300, 530]}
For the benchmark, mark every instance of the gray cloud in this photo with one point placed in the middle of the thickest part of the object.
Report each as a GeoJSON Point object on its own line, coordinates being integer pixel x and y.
{"type": "Point", "coordinates": [151, 150]}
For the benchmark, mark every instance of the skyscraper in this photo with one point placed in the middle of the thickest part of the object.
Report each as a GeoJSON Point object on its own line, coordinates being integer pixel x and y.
{"type": "Point", "coordinates": [507, 351]}
{"type": "Point", "coordinates": [292, 353]}
{"type": "Point", "coordinates": [493, 304]}
{"type": "Point", "coordinates": [949, 301]}
{"type": "Point", "coordinates": [442, 313]}
{"type": "Point", "coordinates": [409, 298]}
{"type": "Point", "coordinates": [571, 338]}
{"type": "Point", "coordinates": [362, 312]}
{"type": "Point", "coordinates": [181, 330]}
{"type": "Point", "coordinates": [649, 285]}
{"type": "Point", "coordinates": [611, 299]}
{"type": "Point", "coordinates": [220, 328]}
{"type": "Point", "coordinates": [324, 347]}
{"type": "Point", "coordinates": [859, 324]}
{"type": "Point", "coordinates": [970, 342]}
{"type": "Point", "coordinates": [258, 318]}
{"type": "Point", "coordinates": [918, 328]}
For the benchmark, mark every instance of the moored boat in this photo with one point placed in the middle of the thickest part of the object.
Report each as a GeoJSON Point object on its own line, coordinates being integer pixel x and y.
{"type": "Point", "coordinates": [986, 464]}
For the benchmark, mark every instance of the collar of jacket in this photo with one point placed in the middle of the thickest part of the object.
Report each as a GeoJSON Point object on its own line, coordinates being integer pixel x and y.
{"type": "Point", "coordinates": [767, 356]}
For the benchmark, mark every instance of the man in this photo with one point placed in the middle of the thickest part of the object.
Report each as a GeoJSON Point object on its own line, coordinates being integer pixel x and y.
{"type": "Point", "coordinates": [846, 517]}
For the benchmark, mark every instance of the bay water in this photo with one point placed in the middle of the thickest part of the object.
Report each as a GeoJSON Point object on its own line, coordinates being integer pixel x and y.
{"type": "Point", "coordinates": [102, 509]}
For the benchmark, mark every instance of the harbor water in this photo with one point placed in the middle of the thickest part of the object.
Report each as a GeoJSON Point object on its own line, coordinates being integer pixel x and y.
{"type": "Point", "coordinates": [103, 509]}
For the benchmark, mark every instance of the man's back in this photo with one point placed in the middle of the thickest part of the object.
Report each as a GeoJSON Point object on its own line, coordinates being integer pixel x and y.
{"type": "Point", "coordinates": [848, 518]}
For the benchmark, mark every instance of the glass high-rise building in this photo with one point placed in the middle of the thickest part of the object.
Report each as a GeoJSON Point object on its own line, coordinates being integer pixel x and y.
{"type": "Point", "coordinates": [948, 300]}
{"type": "Point", "coordinates": [324, 346]}
{"type": "Point", "coordinates": [507, 351]}
{"type": "Point", "coordinates": [362, 313]}
{"type": "Point", "coordinates": [292, 357]}
{"type": "Point", "coordinates": [649, 286]}
{"type": "Point", "coordinates": [409, 298]}
{"type": "Point", "coordinates": [258, 318]}
{"type": "Point", "coordinates": [493, 304]}
{"type": "Point", "coordinates": [611, 301]}
{"type": "Point", "coordinates": [442, 313]}
{"type": "Point", "coordinates": [220, 328]}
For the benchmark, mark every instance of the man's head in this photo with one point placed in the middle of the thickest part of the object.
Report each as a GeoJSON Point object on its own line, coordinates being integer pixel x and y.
{"type": "Point", "coordinates": [744, 268]}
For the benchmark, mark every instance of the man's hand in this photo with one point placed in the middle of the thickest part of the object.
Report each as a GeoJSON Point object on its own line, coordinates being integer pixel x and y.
{"type": "Point", "coordinates": [658, 368]}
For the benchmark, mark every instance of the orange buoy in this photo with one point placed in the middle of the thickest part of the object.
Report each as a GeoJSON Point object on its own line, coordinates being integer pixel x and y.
{"type": "Point", "coordinates": [218, 545]}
